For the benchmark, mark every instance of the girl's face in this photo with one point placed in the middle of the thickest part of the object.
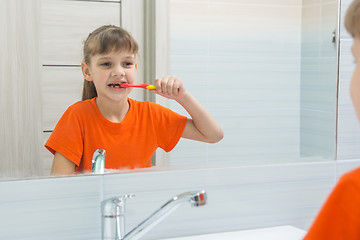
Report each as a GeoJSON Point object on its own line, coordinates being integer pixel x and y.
{"type": "Point", "coordinates": [108, 71]}
{"type": "Point", "coordinates": [355, 80]}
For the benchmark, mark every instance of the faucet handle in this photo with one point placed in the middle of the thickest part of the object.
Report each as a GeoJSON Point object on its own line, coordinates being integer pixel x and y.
{"type": "Point", "coordinates": [115, 205]}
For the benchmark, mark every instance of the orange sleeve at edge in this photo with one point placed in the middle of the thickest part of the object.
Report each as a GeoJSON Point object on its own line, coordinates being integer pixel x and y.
{"type": "Point", "coordinates": [55, 147]}
{"type": "Point", "coordinates": [178, 134]}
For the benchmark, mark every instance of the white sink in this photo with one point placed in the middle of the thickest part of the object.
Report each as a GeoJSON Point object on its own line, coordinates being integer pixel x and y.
{"type": "Point", "coordinates": [273, 233]}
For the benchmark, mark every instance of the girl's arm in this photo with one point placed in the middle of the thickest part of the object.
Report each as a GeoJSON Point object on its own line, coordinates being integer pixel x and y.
{"type": "Point", "coordinates": [202, 126]}
{"type": "Point", "coordinates": [62, 166]}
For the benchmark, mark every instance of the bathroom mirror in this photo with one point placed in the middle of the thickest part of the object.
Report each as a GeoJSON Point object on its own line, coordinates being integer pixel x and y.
{"type": "Point", "coordinates": [265, 69]}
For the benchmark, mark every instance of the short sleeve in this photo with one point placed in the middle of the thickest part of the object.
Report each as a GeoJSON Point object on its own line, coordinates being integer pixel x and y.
{"type": "Point", "coordinates": [67, 137]}
{"type": "Point", "coordinates": [169, 126]}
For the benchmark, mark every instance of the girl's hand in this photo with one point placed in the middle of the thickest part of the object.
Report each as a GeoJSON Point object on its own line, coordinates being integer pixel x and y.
{"type": "Point", "coordinates": [170, 87]}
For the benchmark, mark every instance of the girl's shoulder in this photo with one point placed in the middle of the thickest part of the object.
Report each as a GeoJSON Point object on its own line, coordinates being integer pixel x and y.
{"type": "Point", "coordinates": [83, 105]}
{"type": "Point", "coordinates": [82, 109]}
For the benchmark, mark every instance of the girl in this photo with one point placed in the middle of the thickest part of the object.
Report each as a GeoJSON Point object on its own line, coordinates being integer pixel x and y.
{"type": "Point", "coordinates": [339, 217]}
{"type": "Point", "coordinates": [130, 131]}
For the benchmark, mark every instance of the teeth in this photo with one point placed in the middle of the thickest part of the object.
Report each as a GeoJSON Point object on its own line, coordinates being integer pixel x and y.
{"type": "Point", "coordinates": [114, 85]}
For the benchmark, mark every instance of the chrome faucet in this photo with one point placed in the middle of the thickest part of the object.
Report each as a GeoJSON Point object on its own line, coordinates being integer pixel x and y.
{"type": "Point", "coordinates": [98, 161]}
{"type": "Point", "coordinates": [113, 215]}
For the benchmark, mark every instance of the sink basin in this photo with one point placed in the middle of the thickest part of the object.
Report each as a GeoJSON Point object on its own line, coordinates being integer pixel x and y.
{"type": "Point", "coordinates": [273, 233]}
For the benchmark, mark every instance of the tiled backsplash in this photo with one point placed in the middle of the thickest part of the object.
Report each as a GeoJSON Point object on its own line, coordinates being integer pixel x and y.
{"type": "Point", "coordinates": [239, 198]}
{"type": "Point", "coordinates": [61, 208]}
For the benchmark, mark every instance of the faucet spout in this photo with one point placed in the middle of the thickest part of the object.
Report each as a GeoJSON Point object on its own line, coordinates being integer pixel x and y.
{"type": "Point", "coordinates": [195, 198]}
{"type": "Point", "coordinates": [98, 161]}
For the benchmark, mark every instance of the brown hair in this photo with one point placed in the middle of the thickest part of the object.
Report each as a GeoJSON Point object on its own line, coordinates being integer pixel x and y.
{"type": "Point", "coordinates": [104, 40]}
{"type": "Point", "coordinates": [352, 19]}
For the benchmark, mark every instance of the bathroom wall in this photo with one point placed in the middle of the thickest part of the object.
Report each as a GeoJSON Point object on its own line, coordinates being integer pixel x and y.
{"type": "Point", "coordinates": [275, 96]}
{"type": "Point", "coordinates": [242, 61]}
{"type": "Point", "coordinates": [239, 197]}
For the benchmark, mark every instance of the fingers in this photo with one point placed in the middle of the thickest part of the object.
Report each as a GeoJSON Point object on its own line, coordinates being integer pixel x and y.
{"type": "Point", "coordinates": [168, 86]}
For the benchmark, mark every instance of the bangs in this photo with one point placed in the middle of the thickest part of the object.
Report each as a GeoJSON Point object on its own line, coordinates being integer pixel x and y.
{"type": "Point", "coordinates": [110, 40]}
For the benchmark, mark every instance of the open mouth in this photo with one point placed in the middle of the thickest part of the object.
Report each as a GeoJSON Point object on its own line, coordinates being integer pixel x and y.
{"type": "Point", "coordinates": [114, 85]}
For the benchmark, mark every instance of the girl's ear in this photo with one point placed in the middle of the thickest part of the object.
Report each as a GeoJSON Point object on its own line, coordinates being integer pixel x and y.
{"type": "Point", "coordinates": [136, 66]}
{"type": "Point", "coordinates": [86, 72]}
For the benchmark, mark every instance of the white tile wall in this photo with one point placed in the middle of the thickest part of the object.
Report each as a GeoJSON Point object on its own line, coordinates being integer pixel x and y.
{"type": "Point", "coordinates": [59, 208]}
{"type": "Point", "coordinates": [241, 60]}
{"type": "Point", "coordinates": [238, 198]}
{"type": "Point", "coordinates": [343, 167]}
{"type": "Point", "coordinates": [221, 50]}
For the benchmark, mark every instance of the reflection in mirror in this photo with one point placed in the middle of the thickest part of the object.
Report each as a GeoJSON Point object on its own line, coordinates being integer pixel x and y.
{"type": "Point", "coordinates": [266, 71]}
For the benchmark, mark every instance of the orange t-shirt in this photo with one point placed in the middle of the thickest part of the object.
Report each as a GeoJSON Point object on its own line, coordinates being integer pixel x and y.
{"type": "Point", "coordinates": [339, 218]}
{"type": "Point", "coordinates": [130, 144]}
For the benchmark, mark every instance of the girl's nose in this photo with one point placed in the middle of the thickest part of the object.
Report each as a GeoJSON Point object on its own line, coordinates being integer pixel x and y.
{"type": "Point", "coordinates": [118, 71]}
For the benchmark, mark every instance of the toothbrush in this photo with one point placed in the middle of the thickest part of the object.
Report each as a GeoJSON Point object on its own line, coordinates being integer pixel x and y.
{"type": "Point", "coordinates": [147, 86]}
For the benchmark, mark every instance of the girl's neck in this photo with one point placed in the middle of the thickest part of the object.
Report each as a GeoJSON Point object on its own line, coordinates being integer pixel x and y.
{"type": "Point", "coordinates": [113, 111]}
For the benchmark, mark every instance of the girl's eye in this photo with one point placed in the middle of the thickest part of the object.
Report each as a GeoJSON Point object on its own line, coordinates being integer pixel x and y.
{"type": "Point", "coordinates": [106, 64]}
{"type": "Point", "coordinates": [128, 64]}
